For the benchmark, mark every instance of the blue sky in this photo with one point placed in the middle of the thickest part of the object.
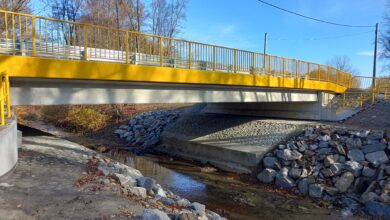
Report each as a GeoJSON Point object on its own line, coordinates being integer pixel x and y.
{"type": "Point", "coordinates": [242, 23]}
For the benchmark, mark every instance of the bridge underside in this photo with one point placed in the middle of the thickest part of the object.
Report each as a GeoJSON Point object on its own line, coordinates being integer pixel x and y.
{"type": "Point", "coordinates": [27, 91]}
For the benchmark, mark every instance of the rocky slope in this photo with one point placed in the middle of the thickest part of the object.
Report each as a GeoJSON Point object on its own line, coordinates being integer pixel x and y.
{"type": "Point", "coordinates": [344, 166]}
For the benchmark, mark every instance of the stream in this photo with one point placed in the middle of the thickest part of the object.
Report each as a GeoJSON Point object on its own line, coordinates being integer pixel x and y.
{"type": "Point", "coordinates": [228, 194]}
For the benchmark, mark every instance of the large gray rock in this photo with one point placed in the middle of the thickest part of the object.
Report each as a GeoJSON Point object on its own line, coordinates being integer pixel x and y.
{"type": "Point", "coordinates": [124, 180]}
{"type": "Point", "coordinates": [377, 209]}
{"type": "Point", "coordinates": [284, 182]}
{"type": "Point", "coordinates": [271, 162]}
{"type": "Point", "coordinates": [267, 175]}
{"type": "Point", "coordinates": [353, 143]}
{"type": "Point", "coordinates": [288, 154]}
{"type": "Point", "coordinates": [378, 157]}
{"type": "Point", "coordinates": [368, 172]}
{"type": "Point", "coordinates": [295, 173]}
{"type": "Point", "coordinates": [344, 182]}
{"type": "Point", "coordinates": [373, 147]}
{"type": "Point", "coordinates": [316, 190]}
{"type": "Point", "coordinates": [200, 209]}
{"type": "Point", "coordinates": [154, 214]}
{"type": "Point", "coordinates": [356, 155]}
{"type": "Point", "coordinates": [375, 135]}
{"type": "Point", "coordinates": [146, 182]}
{"type": "Point", "coordinates": [137, 191]}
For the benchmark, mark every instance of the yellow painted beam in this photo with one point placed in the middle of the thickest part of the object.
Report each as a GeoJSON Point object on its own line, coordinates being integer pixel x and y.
{"type": "Point", "coordinates": [37, 67]}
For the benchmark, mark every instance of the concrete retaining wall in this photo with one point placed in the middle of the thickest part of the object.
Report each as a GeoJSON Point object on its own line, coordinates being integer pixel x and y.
{"type": "Point", "coordinates": [8, 147]}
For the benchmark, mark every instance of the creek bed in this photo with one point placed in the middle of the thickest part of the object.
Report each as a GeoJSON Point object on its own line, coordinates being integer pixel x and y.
{"type": "Point", "coordinates": [225, 193]}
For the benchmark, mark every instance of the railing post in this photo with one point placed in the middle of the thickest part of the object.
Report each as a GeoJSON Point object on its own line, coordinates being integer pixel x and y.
{"type": "Point", "coordinates": [235, 61]}
{"type": "Point", "coordinates": [85, 42]}
{"type": "Point", "coordinates": [361, 100]}
{"type": "Point", "coordinates": [214, 58]}
{"type": "Point", "coordinates": [34, 37]}
{"type": "Point", "coordinates": [161, 52]}
{"type": "Point", "coordinates": [297, 70]}
{"type": "Point", "coordinates": [329, 72]}
{"type": "Point", "coordinates": [344, 99]}
{"type": "Point", "coordinates": [6, 29]}
{"type": "Point", "coordinates": [319, 72]}
{"type": "Point", "coordinates": [127, 47]}
{"type": "Point", "coordinates": [189, 55]}
{"type": "Point", "coordinates": [270, 65]}
{"type": "Point", "coordinates": [2, 116]}
{"type": "Point", "coordinates": [8, 95]}
{"type": "Point", "coordinates": [284, 71]}
{"type": "Point", "coordinates": [253, 64]}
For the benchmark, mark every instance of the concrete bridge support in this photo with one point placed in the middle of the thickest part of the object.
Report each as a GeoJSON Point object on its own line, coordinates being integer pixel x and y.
{"type": "Point", "coordinates": [8, 147]}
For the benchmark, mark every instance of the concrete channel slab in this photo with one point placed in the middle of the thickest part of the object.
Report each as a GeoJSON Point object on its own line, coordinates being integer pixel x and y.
{"type": "Point", "coordinates": [238, 144]}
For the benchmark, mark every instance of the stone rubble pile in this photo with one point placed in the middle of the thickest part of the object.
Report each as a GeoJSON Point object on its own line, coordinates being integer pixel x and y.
{"type": "Point", "coordinates": [160, 204]}
{"type": "Point", "coordinates": [144, 129]}
{"type": "Point", "coordinates": [336, 165]}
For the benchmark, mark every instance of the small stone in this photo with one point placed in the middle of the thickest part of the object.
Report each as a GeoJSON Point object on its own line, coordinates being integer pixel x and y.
{"type": "Point", "coordinates": [124, 180]}
{"type": "Point", "coordinates": [378, 157]}
{"type": "Point", "coordinates": [331, 190]}
{"type": "Point", "coordinates": [327, 172]}
{"type": "Point", "coordinates": [309, 153]}
{"type": "Point", "coordinates": [340, 149]}
{"type": "Point", "coordinates": [137, 191]}
{"type": "Point", "coordinates": [316, 190]}
{"type": "Point", "coordinates": [368, 172]}
{"type": "Point", "coordinates": [356, 155]}
{"type": "Point", "coordinates": [288, 154]}
{"type": "Point", "coordinates": [323, 144]}
{"type": "Point", "coordinates": [370, 196]}
{"type": "Point", "coordinates": [295, 173]}
{"type": "Point", "coordinates": [146, 182]}
{"type": "Point", "coordinates": [336, 168]}
{"type": "Point", "coordinates": [344, 182]}
{"type": "Point", "coordinates": [354, 167]}
{"type": "Point", "coordinates": [303, 186]}
{"type": "Point", "coordinates": [324, 151]}
{"type": "Point", "coordinates": [373, 147]}
{"type": "Point", "coordinates": [200, 209]}
{"type": "Point", "coordinates": [387, 170]}
{"type": "Point", "coordinates": [267, 175]}
{"type": "Point", "coordinates": [186, 216]}
{"type": "Point", "coordinates": [284, 182]}
{"type": "Point", "coordinates": [183, 203]}
{"type": "Point", "coordinates": [324, 138]}
{"type": "Point", "coordinates": [353, 143]}
{"type": "Point", "coordinates": [271, 162]}
{"type": "Point", "coordinates": [154, 214]}
{"type": "Point", "coordinates": [167, 201]}
{"type": "Point", "coordinates": [375, 135]}
{"type": "Point", "coordinates": [331, 159]}
{"type": "Point", "coordinates": [313, 146]}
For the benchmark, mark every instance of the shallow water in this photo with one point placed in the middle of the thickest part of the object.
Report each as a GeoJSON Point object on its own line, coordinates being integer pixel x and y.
{"type": "Point", "coordinates": [223, 192]}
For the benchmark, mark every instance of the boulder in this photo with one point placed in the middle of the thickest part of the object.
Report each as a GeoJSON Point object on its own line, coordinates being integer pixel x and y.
{"type": "Point", "coordinates": [137, 191]}
{"type": "Point", "coordinates": [378, 157]}
{"type": "Point", "coordinates": [124, 180]}
{"type": "Point", "coordinates": [356, 155]}
{"type": "Point", "coordinates": [267, 175]}
{"type": "Point", "coordinates": [377, 209]}
{"type": "Point", "coordinates": [200, 209]}
{"type": "Point", "coordinates": [354, 167]}
{"type": "Point", "coordinates": [284, 182]}
{"type": "Point", "coordinates": [146, 182]}
{"type": "Point", "coordinates": [353, 143]}
{"type": "Point", "coordinates": [303, 186]}
{"type": "Point", "coordinates": [373, 147]}
{"type": "Point", "coordinates": [288, 154]}
{"type": "Point", "coordinates": [154, 214]}
{"type": "Point", "coordinates": [368, 172]}
{"type": "Point", "coordinates": [316, 190]}
{"type": "Point", "coordinates": [344, 182]}
{"type": "Point", "coordinates": [271, 162]}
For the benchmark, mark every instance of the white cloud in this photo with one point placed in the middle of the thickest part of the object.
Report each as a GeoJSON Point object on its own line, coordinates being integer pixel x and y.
{"type": "Point", "coordinates": [227, 30]}
{"type": "Point", "coordinates": [367, 53]}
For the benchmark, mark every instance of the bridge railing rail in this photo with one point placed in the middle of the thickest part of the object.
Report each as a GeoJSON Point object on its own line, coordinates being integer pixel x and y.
{"type": "Point", "coordinates": [5, 102]}
{"type": "Point", "coordinates": [31, 35]}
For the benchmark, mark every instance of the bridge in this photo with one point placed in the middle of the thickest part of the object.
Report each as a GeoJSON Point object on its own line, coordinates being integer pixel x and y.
{"type": "Point", "coordinates": [49, 62]}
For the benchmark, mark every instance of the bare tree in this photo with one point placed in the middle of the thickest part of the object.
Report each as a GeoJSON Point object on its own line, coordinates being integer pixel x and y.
{"type": "Point", "coordinates": [15, 5]}
{"type": "Point", "coordinates": [385, 37]}
{"type": "Point", "coordinates": [342, 63]}
{"type": "Point", "coordinates": [166, 18]}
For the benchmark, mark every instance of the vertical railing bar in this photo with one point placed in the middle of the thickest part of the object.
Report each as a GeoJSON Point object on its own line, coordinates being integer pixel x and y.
{"type": "Point", "coordinates": [33, 33]}
{"type": "Point", "coordinates": [6, 29]}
